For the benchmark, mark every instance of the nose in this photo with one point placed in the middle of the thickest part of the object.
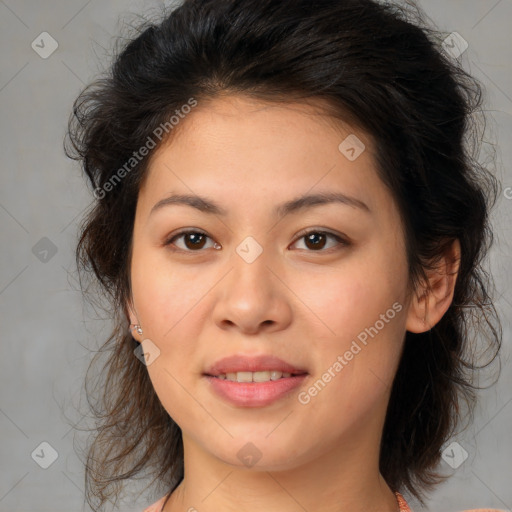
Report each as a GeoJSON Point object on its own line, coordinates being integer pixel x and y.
{"type": "Point", "coordinates": [252, 298]}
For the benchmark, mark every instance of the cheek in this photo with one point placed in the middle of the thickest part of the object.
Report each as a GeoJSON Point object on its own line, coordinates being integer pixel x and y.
{"type": "Point", "coordinates": [352, 297]}
{"type": "Point", "coordinates": [360, 316]}
{"type": "Point", "coordinates": [165, 296]}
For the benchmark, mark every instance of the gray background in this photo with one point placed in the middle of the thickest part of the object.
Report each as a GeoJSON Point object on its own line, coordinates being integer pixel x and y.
{"type": "Point", "coordinates": [47, 333]}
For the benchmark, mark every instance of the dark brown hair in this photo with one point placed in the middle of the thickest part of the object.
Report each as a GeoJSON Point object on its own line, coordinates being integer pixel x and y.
{"type": "Point", "coordinates": [378, 66]}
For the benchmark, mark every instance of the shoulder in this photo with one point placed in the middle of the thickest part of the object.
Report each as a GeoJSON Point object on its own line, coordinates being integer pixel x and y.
{"type": "Point", "coordinates": [483, 510]}
{"type": "Point", "coordinates": [404, 507]}
{"type": "Point", "coordinates": [157, 507]}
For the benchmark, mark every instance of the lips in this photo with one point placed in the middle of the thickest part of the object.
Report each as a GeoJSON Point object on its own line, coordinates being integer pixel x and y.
{"type": "Point", "coordinates": [262, 363]}
{"type": "Point", "coordinates": [253, 381]}
{"type": "Point", "coordinates": [255, 394]}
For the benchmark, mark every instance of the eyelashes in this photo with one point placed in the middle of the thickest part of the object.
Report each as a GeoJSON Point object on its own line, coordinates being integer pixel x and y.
{"type": "Point", "coordinates": [314, 240]}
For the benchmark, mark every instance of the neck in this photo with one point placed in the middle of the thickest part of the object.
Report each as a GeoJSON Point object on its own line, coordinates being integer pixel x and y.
{"type": "Point", "coordinates": [343, 480]}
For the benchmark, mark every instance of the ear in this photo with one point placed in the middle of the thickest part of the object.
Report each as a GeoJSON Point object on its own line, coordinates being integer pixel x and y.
{"type": "Point", "coordinates": [431, 301]}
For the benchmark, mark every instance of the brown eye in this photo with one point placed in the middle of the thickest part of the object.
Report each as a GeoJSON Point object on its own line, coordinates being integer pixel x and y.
{"type": "Point", "coordinates": [316, 241]}
{"type": "Point", "coordinates": [191, 241]}
{"type": "Point", "coordinates": [194, 240]}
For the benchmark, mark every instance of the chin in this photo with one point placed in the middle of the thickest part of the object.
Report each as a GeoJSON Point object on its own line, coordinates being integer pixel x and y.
{"type": "Point", "coordinates": [259, 453]}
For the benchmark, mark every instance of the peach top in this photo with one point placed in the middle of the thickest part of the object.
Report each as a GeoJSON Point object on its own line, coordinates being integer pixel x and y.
{"type": "Point", "coordinates": [157, 507]}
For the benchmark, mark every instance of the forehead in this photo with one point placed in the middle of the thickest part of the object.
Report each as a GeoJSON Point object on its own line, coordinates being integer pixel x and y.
{"type": "Point", "coordinates": [243, 148]}
{"type": "Point", "coordinates": [229, 119]}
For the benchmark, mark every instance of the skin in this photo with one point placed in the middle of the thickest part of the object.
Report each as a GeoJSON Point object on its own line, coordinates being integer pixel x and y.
{"type": "Point", "coordinates": [305, 305]}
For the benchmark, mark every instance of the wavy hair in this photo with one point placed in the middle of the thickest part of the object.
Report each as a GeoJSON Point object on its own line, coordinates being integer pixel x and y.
{"type": "Point", "coordinates": [379, 66]}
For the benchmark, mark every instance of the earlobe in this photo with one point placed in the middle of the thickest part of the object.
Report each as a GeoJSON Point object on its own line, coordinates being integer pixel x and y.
{"type": "Point", "coordinates": [432, 299]}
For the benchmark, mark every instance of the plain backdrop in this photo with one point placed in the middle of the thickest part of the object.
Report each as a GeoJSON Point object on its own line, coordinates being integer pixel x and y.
{"type": "Point", "coordinates": [47, 333]}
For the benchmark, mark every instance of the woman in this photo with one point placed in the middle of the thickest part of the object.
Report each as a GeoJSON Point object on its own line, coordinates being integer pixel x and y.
{"type": "Point", "coordinates": [289, 225]}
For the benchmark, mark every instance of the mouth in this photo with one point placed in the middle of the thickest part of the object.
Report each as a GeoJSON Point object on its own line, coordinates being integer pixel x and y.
{"type": "Point", "coordinates": [253, 381]}
{"type": "Point", "coordinates": [259, 376]}
{"type": "Point", "coordinates": [260, 368]}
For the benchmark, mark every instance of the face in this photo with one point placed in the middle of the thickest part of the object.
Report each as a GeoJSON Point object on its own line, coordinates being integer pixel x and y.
{"type": "Point", "coordinates": [293, 250]}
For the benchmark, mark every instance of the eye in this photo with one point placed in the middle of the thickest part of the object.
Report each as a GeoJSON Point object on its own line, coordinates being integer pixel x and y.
{"type": "Point", "coordinates": [318, 240]}
{"type": "Point", "coordinates": [192, 241]}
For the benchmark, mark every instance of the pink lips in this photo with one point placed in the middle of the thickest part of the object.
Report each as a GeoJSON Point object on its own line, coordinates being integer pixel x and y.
{"type": "Point", "coordinates": [253, 394]}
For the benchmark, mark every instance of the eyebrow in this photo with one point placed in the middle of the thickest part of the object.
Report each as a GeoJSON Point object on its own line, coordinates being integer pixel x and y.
{"type": "Point", "coordinates": [209, 206]}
